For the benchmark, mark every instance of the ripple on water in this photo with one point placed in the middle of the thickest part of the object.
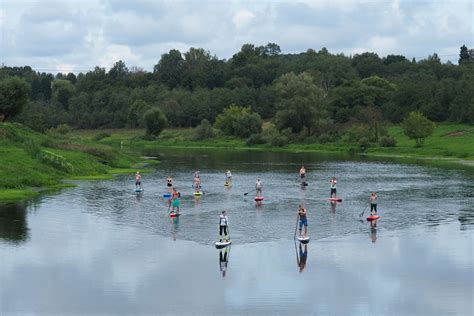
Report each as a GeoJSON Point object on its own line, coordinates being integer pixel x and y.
{"type": "Point", "coordinates": [407, 195]}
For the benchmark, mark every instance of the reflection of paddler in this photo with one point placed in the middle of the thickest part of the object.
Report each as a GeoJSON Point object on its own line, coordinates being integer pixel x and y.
{"type": "Point", "coordinates": [373, 230]}
{"type": "Point", "coordinates": [303, 255]}
{"type": "Point", "coordinates": [224, 260]}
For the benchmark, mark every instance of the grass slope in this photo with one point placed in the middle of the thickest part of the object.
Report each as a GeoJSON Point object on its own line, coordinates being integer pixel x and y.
{"type": "Point", "coordinates": [24, 166]}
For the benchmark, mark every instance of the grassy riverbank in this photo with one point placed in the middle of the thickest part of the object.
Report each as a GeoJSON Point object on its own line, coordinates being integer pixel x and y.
{"type": "Point", "coordinates": [31, 162]}
{"type": "Point", "coordinates": [450, 142]}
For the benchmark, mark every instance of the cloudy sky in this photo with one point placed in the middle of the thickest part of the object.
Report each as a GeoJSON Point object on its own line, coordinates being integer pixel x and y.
{"type": "Point", "coordinates": [76, 35]}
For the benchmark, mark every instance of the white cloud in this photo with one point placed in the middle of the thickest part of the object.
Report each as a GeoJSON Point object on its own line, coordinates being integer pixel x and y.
{"type": "Point", "coordinates": [242, 18]}
{"type": "Point", "coordinates": [86, 33]}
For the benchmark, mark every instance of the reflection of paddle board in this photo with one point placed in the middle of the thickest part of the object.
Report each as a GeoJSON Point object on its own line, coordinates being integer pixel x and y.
{"type": "Point", "coordinates": [258, 198]}
{"type": "Point", "coordinates": [335, 199]}
{"type": "Point", "coordinates": [198, 193]}
{"type": "Point", "coordinates": [303, 239]}
{"type": "Point", "coordinates": [138, 190]}
{"type": "Point", "coordinates": [222, 244]}
{"type": "Point", "coordinates": [373, 217]}
{"type": "Point", "coordinates": [174, 214]}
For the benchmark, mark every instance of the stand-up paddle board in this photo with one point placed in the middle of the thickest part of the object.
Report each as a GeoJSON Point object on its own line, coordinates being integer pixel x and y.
{"type": "Point", "coordinates": [138, 190]}
{"type": "Point", "coordinates": [198, 193]}
{"type": "Point", "coordinates": [258, 198]}
{"type": "Point", "coordinates": [222, 244]}
{"type": "Point", "coordinates": [167, 195]}
{"type": "Point", "coordinates": [304, 184]}
{"type": "Point", "coordinates": [227, 184]}
{"type": "Point", "coordinates": [303, 239]}
{"type": "Point", "coordinates": [335, 199]}
{"type": "Point", "coordinates": [174, 214]}
{"type": "Point", "coordinates": [373, 217]}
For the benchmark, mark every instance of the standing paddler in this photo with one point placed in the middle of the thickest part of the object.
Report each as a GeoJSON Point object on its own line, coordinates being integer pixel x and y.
{"type": "Point", "coordinates": [303, 175]}
{"type": "Point", "coordinates": [303, 221]}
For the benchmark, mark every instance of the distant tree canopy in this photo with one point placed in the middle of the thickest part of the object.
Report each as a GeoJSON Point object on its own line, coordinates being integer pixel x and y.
{"type": "Point", "coordinates": [13, 96]}
{"type": "Point", "coordinates": [306, 93]}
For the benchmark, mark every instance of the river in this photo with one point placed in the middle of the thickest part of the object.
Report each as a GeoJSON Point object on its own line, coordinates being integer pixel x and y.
{"type": "Point", "coordinates": [100, 248]}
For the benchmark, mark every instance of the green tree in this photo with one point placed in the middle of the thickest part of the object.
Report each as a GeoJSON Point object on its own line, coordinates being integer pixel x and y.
{"type": "Point", "coordinates": [155, 121]}
{"type": "Point", "coordinates": [169, 69]}
{"type": "Point", "coordinates": [299, 103]}
{"type": "Point", "coordinates": [63, 90]}
{"type": "Point", "coordinates": [416, 126]}
{"type": "Point", "coordinates": [239, 121]}
{"type": "Point", "coordinates": [13, 96]}
{"type": "Point", "coordinates": [464, 56]}
{"type": "Point", "coordinates": [135, 113]}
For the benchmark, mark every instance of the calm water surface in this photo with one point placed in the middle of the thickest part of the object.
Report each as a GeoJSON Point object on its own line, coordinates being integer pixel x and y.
{"type": "Point", "coordinates": [101, 249]}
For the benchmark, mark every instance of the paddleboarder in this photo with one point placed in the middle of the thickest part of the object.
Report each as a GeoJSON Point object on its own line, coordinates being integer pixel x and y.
{"type": "Point", "coordinates": [258, 187]}
{"type": "Point", "coordinates": [303, 220]}
{"type": "Point", "coordinates": [373, 203]}
{"type": "Point", "coordinates": [138, 180]}
{"type": "Point", "coordinates": [223, 222]}
{"type": "Point", "coordinates": [175, 195]}
{"type": "Point", "coordinates": [228, 177]}
{"type": "Point", "coordinates": [196, 182]}
{"type": "Point", "coordinates": [169, 181]}
{"type": "Point", "coordinates": [333, 183]}
{"type": "Point", "coordinates": [303, 175]}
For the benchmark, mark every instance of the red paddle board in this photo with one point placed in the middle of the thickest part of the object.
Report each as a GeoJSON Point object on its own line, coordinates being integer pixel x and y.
{"type": "Point", "coordinates": [335, 199]}
{"type": "Point", "coordinates": [373, 217]}
{"type": "Point", "coordinates": [259, 198]}
{"type": "Point", "coordinates": [174, 214]}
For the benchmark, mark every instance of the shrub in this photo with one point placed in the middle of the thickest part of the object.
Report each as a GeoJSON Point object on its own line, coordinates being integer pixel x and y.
{"type": "Point", "coordinates": [101, 136]}
{"type": "Point", "coordinates": [204, 130]}
{"type": "Point", "coordinates": [155, 121]}
{"type": "Point", "coordinates": [364, 143]}
{"type": "Point", "coordinates": [387, 141]}
{"type": "Point", "coordinates": [56, 161]}
{"type": "Point", "coordinates": [358, 132]}
{"type": "Point", "coordinates": [325, 138]}
{"type": "Point", "coordinates": [255, 139]}
{"type": "Point", "coordinates": [279, 141]}
{"type": "Point", "coordinates": [63, 129]}
{"type": "Point", "coordinates": [31, 147]}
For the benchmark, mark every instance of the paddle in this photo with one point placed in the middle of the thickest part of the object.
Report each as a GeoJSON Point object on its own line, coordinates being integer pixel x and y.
{"type": "Point", "coordinates": [296, 227]}
{"type": "Point", "coordinates": [361, 214]}
{"type": "Point", "coordinates": [249, 191]}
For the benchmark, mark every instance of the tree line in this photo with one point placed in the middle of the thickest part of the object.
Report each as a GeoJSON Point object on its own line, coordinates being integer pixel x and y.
{"type": "Point", "coordinates": [314, 94]}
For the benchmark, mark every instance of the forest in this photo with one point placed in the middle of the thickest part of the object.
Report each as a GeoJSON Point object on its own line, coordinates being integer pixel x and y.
{"type": "Point", "coordinates": [311, 95]}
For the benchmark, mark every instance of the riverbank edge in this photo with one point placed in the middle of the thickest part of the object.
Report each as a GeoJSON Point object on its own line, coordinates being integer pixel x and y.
{"type": "Point", "coordinates": [407, 158]}
{"type": "Point", "coordinates": [27, 193]}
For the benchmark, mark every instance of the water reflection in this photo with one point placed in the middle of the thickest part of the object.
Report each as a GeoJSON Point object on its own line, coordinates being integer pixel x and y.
{"type": "Point", "coordinates": [13, 223]}
{"type": "Point", "coordinates": [175, 227]}
{"type": "Point", "coordinates": [373, 230]}
{"type": "Point", "coordinates": [301, 255]}
{"type": "Point", "coordinates": [466, 218]}
{"type": "Point", "coordinates": [224, 255]}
